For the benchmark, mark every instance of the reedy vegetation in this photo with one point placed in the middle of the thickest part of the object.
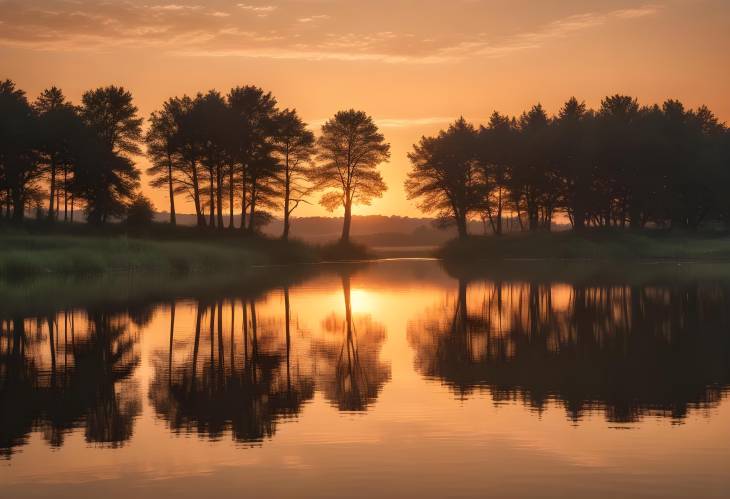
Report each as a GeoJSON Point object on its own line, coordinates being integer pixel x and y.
{"type": "Point", "coordinates": [624, 165]}
{"type": "Point", "coordinates": [229, 154]}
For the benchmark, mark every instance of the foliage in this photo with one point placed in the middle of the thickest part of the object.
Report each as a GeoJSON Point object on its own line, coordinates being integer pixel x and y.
{"type": "Point", "coordinates": [349, 152]}
{"type": "Point", "coordinates": [625, 165]}
{"type": "Point", "coordinates": [140, 212]}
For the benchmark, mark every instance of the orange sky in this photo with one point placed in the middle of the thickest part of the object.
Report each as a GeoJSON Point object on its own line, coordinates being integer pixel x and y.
{"type": "Point", "coordinates": [412, 65]}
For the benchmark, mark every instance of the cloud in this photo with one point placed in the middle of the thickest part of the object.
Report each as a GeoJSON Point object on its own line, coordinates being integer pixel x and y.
{"type": "Point", "coordinates": [195, 30]}
{"type": "Point", "coordinates": [257, 8]}
{"type": "Point", "coordinates": [310, 19]}
{"type": "Point", "coordinates": [535, 39]}
{"type": "Point", "coordinates": [176, 7]}
{"type": "Point", "coordinates": [647, 10]}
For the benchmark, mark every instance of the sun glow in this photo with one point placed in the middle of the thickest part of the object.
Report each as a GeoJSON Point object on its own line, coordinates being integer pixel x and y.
{"type": "Point", "coordinates": [362, 301]}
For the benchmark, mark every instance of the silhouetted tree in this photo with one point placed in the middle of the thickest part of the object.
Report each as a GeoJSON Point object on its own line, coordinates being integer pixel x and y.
{"type": "Point", "coordinates": [624, 165]}
{"type": "Point", "coordinates": [105, 175]}
{"type": "Point", "coordinates": [59, 125]}
{"type": "Point", "coordinates": [496, 156]}
{"type": "Point", "coordinates": [140, 211]}
{"type": "Point", "coordinates": [255, 117]}
{"type": "Point", "coordinates": [164, 149]}
{"type": "Point", "coordinates": [349, 152]}
{"type": "Point", "coordinates": [573, 150]}
{"type": "Point", "coordinates": [446, 177]}
{"type": "Point", "coordinates": [20, 167]}
{"type": "Point", "coordinates": [294, 146]}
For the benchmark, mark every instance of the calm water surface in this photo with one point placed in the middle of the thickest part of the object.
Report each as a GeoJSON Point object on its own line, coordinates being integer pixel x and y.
{"type": "Point", "coordinates": [396, 379]}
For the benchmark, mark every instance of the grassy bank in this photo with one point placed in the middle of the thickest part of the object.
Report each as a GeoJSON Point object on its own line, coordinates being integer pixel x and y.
{"type": "Point", "coordinates": [591, 245]}
{"type": "Point", "coordinates": [28, 255]}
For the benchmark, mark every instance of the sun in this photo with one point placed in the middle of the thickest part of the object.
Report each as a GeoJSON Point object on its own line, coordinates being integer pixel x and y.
{"type": "Point", "coordinates": [362, 301]}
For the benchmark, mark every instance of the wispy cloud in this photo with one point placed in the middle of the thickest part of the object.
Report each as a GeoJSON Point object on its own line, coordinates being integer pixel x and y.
{"type": "Point", "coordinates": [561, 28]}
{"type": "Point", "coordinates": [259, 10]}
{"type": "Point", "coordinates": [195, 30]}
{"type": "Point", "coordinates": [647, 10]}
{"type": "Point", "coordinates": [176, 7]}
{"type": "Point", "coordinates": [309, 19]}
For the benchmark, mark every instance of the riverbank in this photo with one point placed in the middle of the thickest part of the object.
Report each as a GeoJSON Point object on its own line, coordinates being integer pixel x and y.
{"type": "Point", "coordinates": [32, 254]}
{"type": "Point", "coordinates": [591, 245]}
{"type": "Point", "coordinates": [29, 255]}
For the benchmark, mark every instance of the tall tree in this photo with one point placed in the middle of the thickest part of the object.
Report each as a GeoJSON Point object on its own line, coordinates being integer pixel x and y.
{"type": "Point", "coordinates": [534, 181]}
{"type": "Point", "coordinates": [572, 155]}
{"type": "Point", "coordinates": [59, 125]}
{"type": "Point", "coordinates": [445, 175]}
{"type": "Point", "coordinates": [189, 141]}
{"type": "Point", "coordinates": [106, 176]}
{"type": "Point", "coordinates": [162, 149]}
{"type": "Point", "coordinates": [111, 114]}
{"type": "Point", "coordinates": [20, 168]}
{"type": "Point", "coordinates": [496, 154]}
{"type": "Point", "coordinates": [619, 166]}
{"type": "Point", "coordinates": [349, 152]}
{"type": "Point", "coordinates": [255, 117]}
{"type": "Point", "coordinates": [294, 146]}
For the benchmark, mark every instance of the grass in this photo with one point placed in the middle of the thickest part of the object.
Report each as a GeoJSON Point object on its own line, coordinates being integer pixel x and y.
{"type": "Point", "coordinates": [75, 249]}
{"type": "Point", "coordinates": [592, 245]}
{"type": "Point", "coordinates": [343, 251]}
{"type": "Point", "coordinates": [29, 255]}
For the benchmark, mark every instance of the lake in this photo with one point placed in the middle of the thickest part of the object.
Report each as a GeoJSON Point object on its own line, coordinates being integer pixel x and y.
{"type": "Point", "coordinates": [399, 378]}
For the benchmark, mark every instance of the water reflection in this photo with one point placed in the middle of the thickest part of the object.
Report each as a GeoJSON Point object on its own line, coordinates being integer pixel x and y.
{"type": "Point", "coordinates": [68, 371]}
{"type": "Point", "coordinates": [243, 370]}
{"type": "Point", "coordinates": [349, 369]}
{"type": "Point", "coordinates": [238, 363]}
{"type": "Point", "coordinates": [629, 351]}
{"type": "Point", "coordinates": [238, 379]}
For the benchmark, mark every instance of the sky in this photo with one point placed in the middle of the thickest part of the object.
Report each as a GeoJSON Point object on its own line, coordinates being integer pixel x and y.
{"type": "Point", "coordinates": [414, 66]}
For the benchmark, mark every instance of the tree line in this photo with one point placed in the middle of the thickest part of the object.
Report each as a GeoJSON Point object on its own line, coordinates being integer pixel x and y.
{"type": "Point", "coordinates": [623, 165]}
{"type": "Point", "coordinates": [229, 154]}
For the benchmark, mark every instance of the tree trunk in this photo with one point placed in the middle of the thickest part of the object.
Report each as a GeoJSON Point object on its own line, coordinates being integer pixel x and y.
{"type": "Point", "coordinates": [461, 225]}
{"type": "Point", "coordinates": [252, 212]}
{"type": "Point", "coordinates": [196, 195]}
{"type": "Point", "coordinates": [65, 192]}
{"type": "Point", "coordinates": [347, 222]}
{"type": "Point", "coordinates": [219, 194]}
{"type": "Point", "coordinates": [173, 218]}
{"type": "Point", "coordinates": [52, 189]}
{"type": "Point", "coordinates": [285, 234]}
{"type": "Point", "coordinates": [211, 195]}
{"type": "Point", "coordinates": [18, 205]}
{"type": "Point", "coordinates": [230, 197]}
{"type": "Point", "coordinates": [243, 199]}
{"type": "Point", "coordinates": [498, 230]}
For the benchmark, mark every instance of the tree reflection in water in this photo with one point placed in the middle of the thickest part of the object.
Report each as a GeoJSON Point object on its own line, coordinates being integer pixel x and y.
{"type": "Point", "coordinates": [68, 371]}
{"type": "Point", "coordinates": [349, 369]}
{"type": "Point", "coordinates": [245, 390]}
{"type": "Point", "coordinates": [629, 351]}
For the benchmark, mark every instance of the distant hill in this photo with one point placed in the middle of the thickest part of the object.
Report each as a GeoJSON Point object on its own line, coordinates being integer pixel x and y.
{"type": "Point", "coordinates": [373, 230]}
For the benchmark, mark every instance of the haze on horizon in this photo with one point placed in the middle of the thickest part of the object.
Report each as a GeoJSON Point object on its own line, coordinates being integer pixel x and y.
{"type": "Point", "coordinates": [413, 65]}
